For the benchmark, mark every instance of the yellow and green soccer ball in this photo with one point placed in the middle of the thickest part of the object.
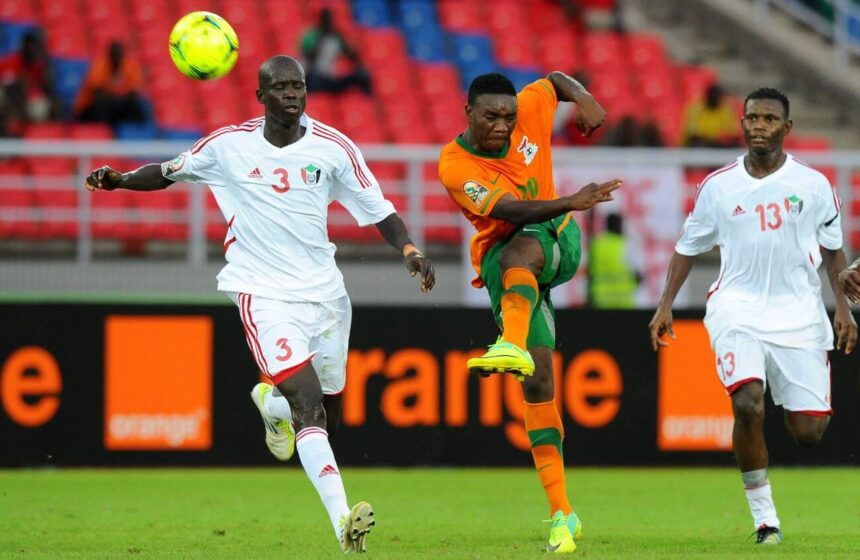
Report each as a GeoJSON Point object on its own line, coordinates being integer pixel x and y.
{"type": "Point", "coordinates": [203, 46]}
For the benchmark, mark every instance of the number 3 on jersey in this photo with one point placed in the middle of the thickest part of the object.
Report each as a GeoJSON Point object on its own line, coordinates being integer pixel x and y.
{"type": "Point", "coordinates": [285, 185]}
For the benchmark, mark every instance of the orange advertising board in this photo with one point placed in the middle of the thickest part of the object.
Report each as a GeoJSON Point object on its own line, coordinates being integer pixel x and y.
{"type": "Point", "coordinates": [693, 411]}
{"type": "Point", "coordinates": [158, 383]}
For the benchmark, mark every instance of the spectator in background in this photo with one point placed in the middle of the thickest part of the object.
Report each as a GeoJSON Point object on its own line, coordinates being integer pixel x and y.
{"type": "Point", "coordinates": [628, 132]}
{"type": "Point", "coordinates": [111, 90]}
{"type": "Point", "coordinates": [711, 122]}
{"type": "Point", "coordinates": [28, 91]}
{"type": "Point", "coordinates": [321, 47]}
{"type": "Point", "coordinates": [612, 278]}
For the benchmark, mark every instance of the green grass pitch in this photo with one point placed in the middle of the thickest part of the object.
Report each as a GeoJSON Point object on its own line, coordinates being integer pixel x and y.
{"type": "Point", "coordinates": [421, 513]}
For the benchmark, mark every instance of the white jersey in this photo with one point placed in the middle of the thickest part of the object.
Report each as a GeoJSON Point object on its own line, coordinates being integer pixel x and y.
{"type": "Point", "coordinates": [769, 231]}
{"type": "Point", "coordinates": [275, 201]}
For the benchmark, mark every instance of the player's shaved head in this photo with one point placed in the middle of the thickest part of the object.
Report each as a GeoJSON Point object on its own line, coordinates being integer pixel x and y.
{"type": "Point", "coordinates": [280, 62]}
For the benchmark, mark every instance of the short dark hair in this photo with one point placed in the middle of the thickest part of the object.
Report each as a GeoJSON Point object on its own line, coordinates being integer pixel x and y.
{"type": "Point", "coordinates": [769, 93]}
{"type": "Point", "coordinates": [490, 83]}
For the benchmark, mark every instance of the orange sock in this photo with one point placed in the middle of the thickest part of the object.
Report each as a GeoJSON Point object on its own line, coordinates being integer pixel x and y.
{"type": "Point", "coordinates": [543, 425]}
{"type": "Point", "coordinates": [518, 300]}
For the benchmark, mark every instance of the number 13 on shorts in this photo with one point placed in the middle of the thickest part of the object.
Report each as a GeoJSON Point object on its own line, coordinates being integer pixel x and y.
{"type": "Point", "coordinates": [726, 366]}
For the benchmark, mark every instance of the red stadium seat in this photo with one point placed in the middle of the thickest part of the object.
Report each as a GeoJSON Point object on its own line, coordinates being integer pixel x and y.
{"type": "Point", "coordinates": [436, 79]}
{"type": "Point", "coordinates": [359, 112]}
{"type": "Point", "coordinates": [111, 213]}
{"type": "Point", "coordinates": [111, 13]}
{"type": "Point", "coordinates": [58, 9]}
{"type": "Point", "coordinates": [507, 16]}
{"type": "Point", "coordinates": [461, 17]}
{"type": "Point", "coordinates": [20, 203]}
{"type": "Point", "coordinates": [388, 171]}
{"type": "Point", "coordinates": [657, 87]}
{"type": "Point", "coordinates": [19, 11]}
{"type": "Point", "coordinates": [559, 51]}
{"type": "Point", "coordinates": [45, 131]}
{"type": "Point", "coordinates": [91, 131]}
{"type": "Point", "coordinates": [61, 206]}
{"type": "Point", "coordinates": [151, 12]}
{"type": "Point", "coordinates": [323, 107]}
{"type": "Point", "coordinates": [448, 118]}
{"type": "Point", "coordinates": [645, 50]}
{"type": "Point", "coordinates": [514, 50]}
{"type": "Point", "coordinates": [68, 37]}
{"type": "Point", "coordinates": [382, 45]}
{"type": "Point", "coordinates": [602, 50]}
{"type": "Point", "coordinates": [394, 83]}
{"type": "Point", "coordinates": [405, 123]}
{"type": "Point", "coordinates": [811, 143]}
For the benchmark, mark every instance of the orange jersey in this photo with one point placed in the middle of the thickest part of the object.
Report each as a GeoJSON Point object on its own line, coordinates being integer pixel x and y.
{"type": "Point", "coordinates": [477, 180]}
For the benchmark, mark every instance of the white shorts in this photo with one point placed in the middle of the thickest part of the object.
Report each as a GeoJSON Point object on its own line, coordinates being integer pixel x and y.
{"type": "Point", "coordinates": [285, 336]}
{"type": "Point", "coordinates": [799, 378]}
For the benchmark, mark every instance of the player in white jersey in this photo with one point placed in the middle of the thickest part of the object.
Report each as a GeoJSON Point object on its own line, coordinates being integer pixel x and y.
{"type": "Point", "coordinates": [775, 221]}
{"type": "Point", "coordinates": [273, 178]}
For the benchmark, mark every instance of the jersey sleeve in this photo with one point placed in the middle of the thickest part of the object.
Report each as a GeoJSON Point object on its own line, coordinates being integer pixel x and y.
{"type": "Point", "coordinates": [358, 190]}
{"type": "Point", "coordinates": [196, 165]}
{"type": "Point", "coordinates": [828, 217]}
{"type": "Point", "coordinates": [700, 233]}
{"type": "Point", "coordinates": [538, 101]}
{"type": "Point", "coordinates": [470, 186]}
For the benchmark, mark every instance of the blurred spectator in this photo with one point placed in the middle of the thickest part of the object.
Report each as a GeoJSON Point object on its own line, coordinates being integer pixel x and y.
{"type": "Point", "coordinates": [613, 278]}
{"type": "Point", "coordinates": [628, 132]}
{"type": "Point", "coordinates": [321, 47]}
{"type": "Point", "coordinates": [111, 90]}
{"type": "Point", "coordinates": [711, 122]}
{"type": "Point", "coordinates": [625, 133]}
{"type": "Point", "coordinates": [650, 136]}
{"type": "Point", "coordinates": [28, 91]}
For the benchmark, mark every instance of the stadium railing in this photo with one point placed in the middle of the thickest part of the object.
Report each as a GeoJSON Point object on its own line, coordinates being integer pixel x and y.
{"type": "Point", "coordinates": [838, 20]}
{"type": "Point", "coordinates": [838, 164]}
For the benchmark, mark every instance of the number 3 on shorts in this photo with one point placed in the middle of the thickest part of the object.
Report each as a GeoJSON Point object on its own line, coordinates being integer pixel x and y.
{"type": "Point", "coordinates": [282, 344]}
{"type": "Point", "coordinates": [725, 364]}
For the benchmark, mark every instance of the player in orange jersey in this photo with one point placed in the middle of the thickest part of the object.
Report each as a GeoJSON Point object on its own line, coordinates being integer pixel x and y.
{"type": "Point", "coordinates": [499, 171]}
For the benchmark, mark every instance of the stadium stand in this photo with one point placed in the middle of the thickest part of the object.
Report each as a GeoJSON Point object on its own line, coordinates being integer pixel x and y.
{"type": "Point", "coordinates": [415, 51]}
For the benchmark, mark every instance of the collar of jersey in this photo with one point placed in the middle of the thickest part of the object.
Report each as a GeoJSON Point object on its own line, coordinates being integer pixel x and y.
{"type": "Point", "coordinates": [492, 155]}
{"type": "Point", "coordinates": [304, 121]}
{"type": "Point", "coordinates": [776, 173]}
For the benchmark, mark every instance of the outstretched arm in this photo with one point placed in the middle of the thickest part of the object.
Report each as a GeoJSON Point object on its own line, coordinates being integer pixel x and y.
{"type": "Point", "coordinates": [849, 281]}
{"type": "Point", "coordinates": [146, 178]}
{"type": "Point", "coordinates": [843, 321]}
{"type": "Point", "coordinates": [523, 212]}
{"type": "Point", "coordinates": [394, 231]}
{"type": "Point", "coordinates": [589, 114]}
{"type": "Point", "coordinates": [661, 323]}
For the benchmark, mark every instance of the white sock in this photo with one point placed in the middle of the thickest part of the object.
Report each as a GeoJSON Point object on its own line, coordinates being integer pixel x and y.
{"type": "Point", "coordinates": [321, 468]}
{"type": "Point", "coordinates": [277, 406]}
{"type": "Point", "coordinates": [761, 506]}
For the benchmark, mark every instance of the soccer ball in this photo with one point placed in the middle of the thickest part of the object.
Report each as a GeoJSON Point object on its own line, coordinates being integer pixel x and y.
{"type": "Point", "coordinates": [203, 46]}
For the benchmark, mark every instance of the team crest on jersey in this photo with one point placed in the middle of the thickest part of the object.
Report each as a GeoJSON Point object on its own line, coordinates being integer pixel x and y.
{"type": "Point", "coordinates": [475, 191]}
{"type": "Point", "coordinates": [528, 149]}
{"type": "Point", "coordinates": [172, 166]}
{"type": "Point", "coordinates": [793, 205]}
{"type": "Point", "coordinates": [311, 175]}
